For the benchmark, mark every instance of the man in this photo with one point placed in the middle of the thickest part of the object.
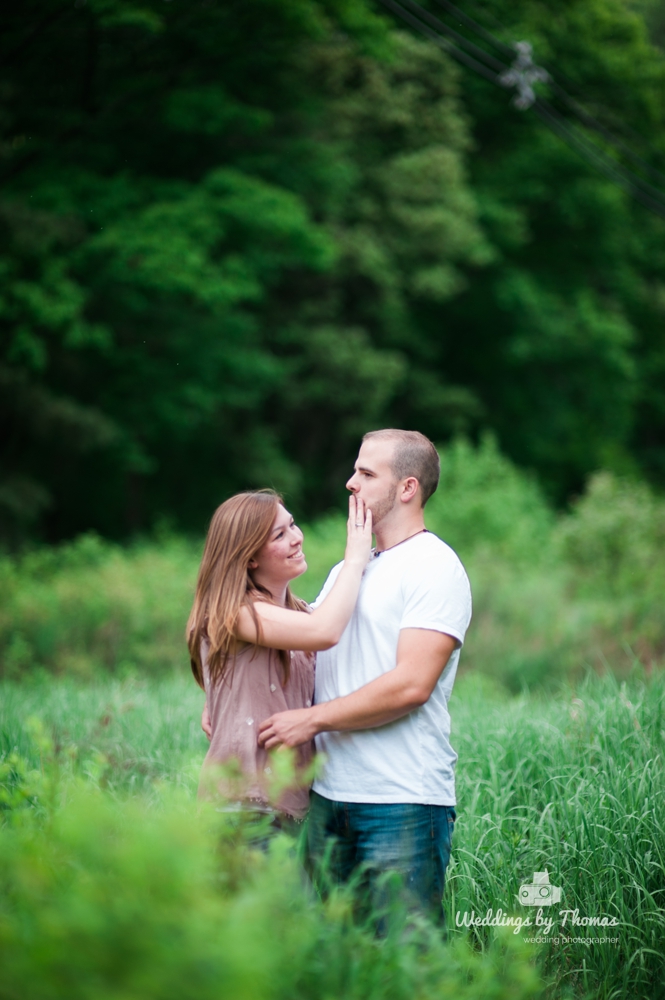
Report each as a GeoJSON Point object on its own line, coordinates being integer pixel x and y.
{"type": "Point", "coordinates": [385, 801]}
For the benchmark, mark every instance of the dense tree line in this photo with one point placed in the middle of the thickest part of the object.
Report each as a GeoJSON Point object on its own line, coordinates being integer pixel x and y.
{"type": "Point", "coordinates": [236, 235]}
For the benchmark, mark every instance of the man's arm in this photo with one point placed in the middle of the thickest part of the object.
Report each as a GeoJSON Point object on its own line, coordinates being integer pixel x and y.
{"type": "Point", "coordinates": [422, 655]}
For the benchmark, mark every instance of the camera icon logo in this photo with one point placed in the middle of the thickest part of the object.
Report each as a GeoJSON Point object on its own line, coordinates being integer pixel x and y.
{"type": "Point", "coordinates": [539, 892]}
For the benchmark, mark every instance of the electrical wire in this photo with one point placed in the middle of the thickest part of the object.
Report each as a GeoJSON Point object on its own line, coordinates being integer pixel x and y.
{"type": "Point", "coordinates": [593, 123]}
{"type": "Point", "coordinates": [581, 113]}
{"type": "Point", "coordinates": [486, 65]}
{"type": "Point", "coordinates": [475, 26]}
{"type": "Point", "coordinates": [440, 26]}
{"type": "Point", "coordinates": [489, 15]}
{"type": "Point", "coordinates": [605, 164]}
{"type": "Point", "coordinates": [424, 29]}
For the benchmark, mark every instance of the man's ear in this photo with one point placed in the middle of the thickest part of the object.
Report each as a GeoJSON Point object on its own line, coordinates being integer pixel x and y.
{"type": "Point", "coordinates": [409, 489]}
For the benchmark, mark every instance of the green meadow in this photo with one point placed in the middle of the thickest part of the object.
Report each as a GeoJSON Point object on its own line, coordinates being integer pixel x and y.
{"type": "Point", "coordinates": [117, 883]}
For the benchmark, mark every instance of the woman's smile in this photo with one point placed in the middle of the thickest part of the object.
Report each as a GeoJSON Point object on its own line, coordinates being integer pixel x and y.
{"type": "Point", "coordinates": [284, 546]}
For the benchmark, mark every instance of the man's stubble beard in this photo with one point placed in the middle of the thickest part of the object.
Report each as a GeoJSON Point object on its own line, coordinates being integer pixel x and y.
{"type": "Point", "coordinates": [384, 506]}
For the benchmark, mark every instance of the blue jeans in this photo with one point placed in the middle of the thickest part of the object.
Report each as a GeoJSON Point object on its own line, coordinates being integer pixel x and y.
{"type": "Point", "coordinates": [362, 841]}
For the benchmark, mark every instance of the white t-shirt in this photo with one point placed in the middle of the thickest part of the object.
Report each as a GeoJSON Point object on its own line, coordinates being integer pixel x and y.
{"type": "Point", "coordinates": [419, 583]}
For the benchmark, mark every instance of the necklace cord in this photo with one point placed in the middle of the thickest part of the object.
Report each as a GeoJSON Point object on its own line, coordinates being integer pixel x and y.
{"type": "Point", "coordinates": [378, 552]}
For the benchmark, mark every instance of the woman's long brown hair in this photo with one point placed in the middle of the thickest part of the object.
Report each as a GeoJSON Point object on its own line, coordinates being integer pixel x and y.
{"type": "Point", "coordinates": [239, 528]}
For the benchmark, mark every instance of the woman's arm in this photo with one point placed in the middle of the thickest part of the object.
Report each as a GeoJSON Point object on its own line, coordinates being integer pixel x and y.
{"type": "Point", "coordinates": [285, 629]}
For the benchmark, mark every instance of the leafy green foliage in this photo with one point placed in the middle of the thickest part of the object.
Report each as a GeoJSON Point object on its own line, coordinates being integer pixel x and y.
{"type": "Point", "coordinates": [114, 882]}
{"type": "Point", "coordinates": [556, 334]}
{"type": "Point", "coordinates": [235, 236]}
{"type": "Point", "coordinates": [485, 502]}
{"type": "Point", "coordinates": [111, 897]}
{"type": "Point", "coordinates": [90, 606]}
{"type": "Point", "coordinates": [552, 596]}
{"type": "Point", "coordinates": [617, 534]}
{"type": "Point", "coordinates": [614, 543]}
{"type": "Point", "coordinates": [199, 273]}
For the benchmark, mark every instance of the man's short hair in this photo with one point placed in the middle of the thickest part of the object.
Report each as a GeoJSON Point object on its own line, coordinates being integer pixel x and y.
{"type": "Point", "coordinates": [414, 455]}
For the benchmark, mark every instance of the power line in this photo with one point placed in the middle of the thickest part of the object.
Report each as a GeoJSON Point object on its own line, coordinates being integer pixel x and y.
{"type": "Point", "coordinates": [593, 123]}
{"type": "Point", "coordinates": [581, 113]}
{"type": "Point", "coordinates": [489, 15]}
{"type": "Point", "coordinates": [475, 26]}
{"type": "Point", "coordinates": [521, 75]}
{"type": "Point", "coordinates": [440, 26]}
{"type": "Point", "coordinates": [650, 197]}
{"type": "Point", "coordinates": [442, 42]}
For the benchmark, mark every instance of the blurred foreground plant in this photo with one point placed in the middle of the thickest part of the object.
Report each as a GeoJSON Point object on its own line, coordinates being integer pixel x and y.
{"type": "Point", "coordinates": [570, 783]}
{"type": "Point", "coordinates": [106, 897]}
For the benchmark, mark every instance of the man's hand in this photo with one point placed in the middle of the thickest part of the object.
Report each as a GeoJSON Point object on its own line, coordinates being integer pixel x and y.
{"type": "Point", "coordinates": [206, 724]}
{"type": "Point", "coordinates": [422, 655]}
{"type": "Point", "coordinates": [290, 729]}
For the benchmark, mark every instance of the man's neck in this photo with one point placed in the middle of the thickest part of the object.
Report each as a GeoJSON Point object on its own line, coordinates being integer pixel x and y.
{"type": "Point", "coordinates": [389, 533]}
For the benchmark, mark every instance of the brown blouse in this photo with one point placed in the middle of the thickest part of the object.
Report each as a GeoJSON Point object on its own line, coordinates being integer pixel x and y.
{"type": "Point", "coordinates": [248, 693]}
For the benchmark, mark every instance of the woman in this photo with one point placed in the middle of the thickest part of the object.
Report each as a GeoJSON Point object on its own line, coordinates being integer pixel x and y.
{"type": "Point", "coordinates": [250, 642]}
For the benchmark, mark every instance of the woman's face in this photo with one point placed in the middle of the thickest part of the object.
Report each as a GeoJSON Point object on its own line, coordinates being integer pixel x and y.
{"type": "Point", "coordinates": [281, 558]}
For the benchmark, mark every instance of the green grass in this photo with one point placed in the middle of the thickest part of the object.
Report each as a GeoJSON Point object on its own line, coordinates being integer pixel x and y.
{"type": "Point", "coordinates": [572, 784]}
{"type": "Point", "coordinates": [116, 883]}
{"type": "Point", "coordinates": [146, 731]}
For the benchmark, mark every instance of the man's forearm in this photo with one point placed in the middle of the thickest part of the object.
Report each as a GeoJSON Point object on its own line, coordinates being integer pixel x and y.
{"type": "Point", "coordinates": [422, 655]}
{"type": "Point", "coordinates": [383, 700]}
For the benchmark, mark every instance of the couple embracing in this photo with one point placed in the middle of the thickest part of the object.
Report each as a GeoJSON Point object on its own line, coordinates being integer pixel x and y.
{"type": "Point", "coordinates": [386, 630]}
